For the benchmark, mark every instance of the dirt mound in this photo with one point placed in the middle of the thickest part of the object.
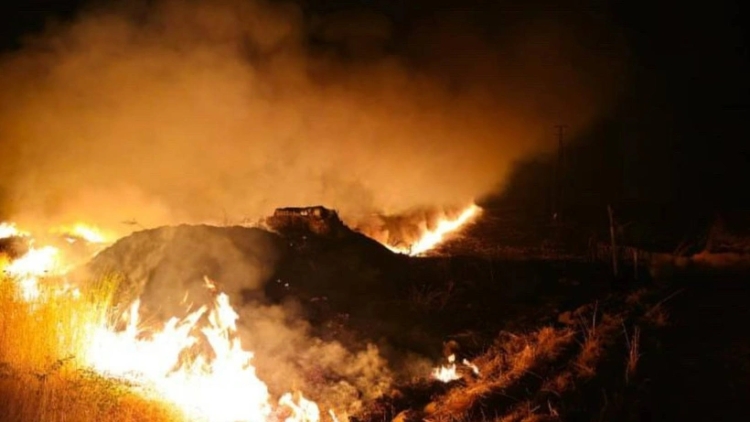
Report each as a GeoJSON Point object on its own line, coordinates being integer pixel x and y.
{"type": "Point", "coordinates": [166, 266]}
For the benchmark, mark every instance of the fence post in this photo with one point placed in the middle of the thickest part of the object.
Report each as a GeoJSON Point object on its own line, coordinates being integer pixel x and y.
{"type": "Point", "coordinates": [612, 239]}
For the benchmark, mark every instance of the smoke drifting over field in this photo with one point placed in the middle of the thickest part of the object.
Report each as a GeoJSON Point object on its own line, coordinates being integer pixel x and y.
{"type": "Point", "coordinates": [221, 111]}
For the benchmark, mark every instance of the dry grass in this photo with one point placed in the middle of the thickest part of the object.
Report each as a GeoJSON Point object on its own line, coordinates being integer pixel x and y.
{"type": "Point", "coordinates": [430, 298]}
{"type": "Point", "coordinates": [555, 373]}
{"type": "Point", "coordinates": [75, 395]}
{"type": "Point", "coordinates": [658, 317]}
{"type": "Point", "coordinates": [597, 334]}
{"type": "Point", "coordinates": [636, 297]}
{"type": "Point", "coordinates": [42, 373]}
{"type": "Point", "coordinates": [633, 343]}
{"type": "Point", "coordinates": [510, 360]}
{"type": "Point", "coordinates": [529, 412]}
{"type": "Point", "coordinates": [653, 315]}
{"type": "Point", "coordinates": [34, 336]}
{"type": "Point", "coordinates": [582, 368]}
{"type": "Point", "coordinates": [525, 377]}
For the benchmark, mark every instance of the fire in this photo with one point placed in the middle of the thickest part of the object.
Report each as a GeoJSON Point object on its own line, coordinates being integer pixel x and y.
{"type": "Point", "coordinates": [431, 238]}
{"type": "Point", "coordinates": [90, 234]}
{"type": "Point", "coordinates": [448, 373]}
{"type": "Point", "coordinates": [219, 389]}
{"type": "Point", "coordinates": [48, 261]}
{"type": "Point", "coordinates": [33, 265]}
{"type": "Point", "coordinates": [217, 386]}
{"type": "Point", "coordinates": [473, 367]}
{"type": "Point", "coordinates": [303, 409]}
{"type": "Point", "coordinates": [9, 230]}
{"type": "Point", "coordinates": [197, 363]}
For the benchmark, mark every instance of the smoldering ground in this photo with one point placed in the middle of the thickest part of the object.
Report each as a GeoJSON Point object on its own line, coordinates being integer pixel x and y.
{"type": "Point", "coordinates": [221, 111]}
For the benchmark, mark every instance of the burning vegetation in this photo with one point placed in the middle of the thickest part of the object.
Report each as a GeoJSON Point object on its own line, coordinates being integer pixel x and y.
{"type": "Point", "coordinates": [147, 277]}
{"type": "Point", "coordinates": [272, 334]}
{"type": "Point", "coordinates": [194, 368]}
{"type": "Point", "coordinates": [419, 232]}
{"type": "Point", "coordinates": [190, 366]}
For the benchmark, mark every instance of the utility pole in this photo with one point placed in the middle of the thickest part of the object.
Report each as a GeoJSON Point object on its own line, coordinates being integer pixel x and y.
{"type": "Point", "coordinates": [557, 206]}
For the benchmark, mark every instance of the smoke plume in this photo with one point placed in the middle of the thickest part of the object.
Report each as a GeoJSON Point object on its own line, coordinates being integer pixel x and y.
{"type": "Point", "coordinates": [220, 111]}
{"type": "Point", "coordinates": [288, 356]}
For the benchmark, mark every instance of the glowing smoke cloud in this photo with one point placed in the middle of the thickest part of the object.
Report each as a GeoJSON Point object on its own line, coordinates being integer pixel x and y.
{"type": "Point", "coordinates": [221, 111]}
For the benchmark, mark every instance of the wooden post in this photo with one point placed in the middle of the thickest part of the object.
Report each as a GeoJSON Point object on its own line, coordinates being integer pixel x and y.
{"type": "Point", "coordinates": [612, 239]}
{"type": "Point", "coordinates": [558, 186]}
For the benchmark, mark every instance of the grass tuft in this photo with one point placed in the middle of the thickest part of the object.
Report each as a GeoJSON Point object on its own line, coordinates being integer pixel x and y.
{"type": "Point", "coordinates": [43, 377]}
{"type": "Point", "coordinates": [634, 355]}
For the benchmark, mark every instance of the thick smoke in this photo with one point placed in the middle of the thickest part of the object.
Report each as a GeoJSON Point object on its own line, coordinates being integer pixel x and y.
{"type": "Point", "coordinates": [288, 356]}
{"type": "Point", "coordinates": [221, 111]}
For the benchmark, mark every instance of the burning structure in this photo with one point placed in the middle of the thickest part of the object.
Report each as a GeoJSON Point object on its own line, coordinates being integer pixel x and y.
{"type": "Point", "coordinates": [315, 219]}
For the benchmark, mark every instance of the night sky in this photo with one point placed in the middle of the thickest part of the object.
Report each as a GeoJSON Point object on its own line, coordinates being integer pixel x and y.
{"type": "Point", "coordinates": [677, 135]}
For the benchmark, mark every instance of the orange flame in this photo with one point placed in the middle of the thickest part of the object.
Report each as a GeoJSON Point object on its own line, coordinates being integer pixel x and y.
{"type": "Point", "coordinates": [44, 262]}
{"type": "Point", "coordinates": [9, 230]}
{"type": "Point", "coordinates": [87, 232]}
{"type": "Point", "coordinates": [220, 388]}
{"type": "Point", "coordinates": [448, 373]}
{"type": "Point", "coordinates": [431, 238]}
{"type": "Point", "coordinates": [29, 268]}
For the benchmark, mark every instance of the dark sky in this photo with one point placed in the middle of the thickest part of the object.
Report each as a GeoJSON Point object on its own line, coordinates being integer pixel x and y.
{"type": "Point", "coordinates": [679, 131]}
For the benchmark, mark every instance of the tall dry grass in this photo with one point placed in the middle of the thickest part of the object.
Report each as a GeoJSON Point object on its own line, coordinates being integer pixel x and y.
{"type": "Point", "coordinates": [43, 376]}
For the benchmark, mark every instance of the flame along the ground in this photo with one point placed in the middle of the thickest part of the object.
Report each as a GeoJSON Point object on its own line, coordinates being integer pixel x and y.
{"type": "Point", "coordinates": [216, 386]}
{"type": "Point", "coordinates": [221, 388]}
{"type": "Point", "coordinates": [431, 238]}
{"type": "Point", "coordinates": [450, 372]}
